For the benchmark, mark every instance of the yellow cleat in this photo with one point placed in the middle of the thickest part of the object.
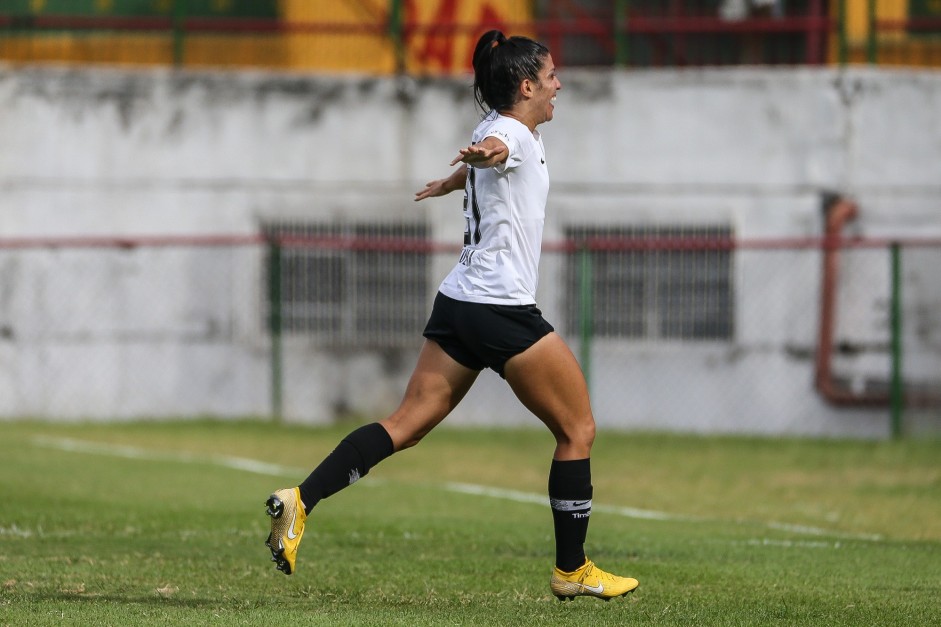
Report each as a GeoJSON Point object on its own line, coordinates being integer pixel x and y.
{"type": "Point", "coordinates": [287, 527]}
{"type": "Point", "coordinates": [589, 580]}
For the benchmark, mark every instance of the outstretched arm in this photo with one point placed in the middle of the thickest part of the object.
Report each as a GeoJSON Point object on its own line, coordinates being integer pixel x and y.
{"type": "Point", "coordinates": [483, 154]}
{"type": "Point", "coordinates": [440, 187]}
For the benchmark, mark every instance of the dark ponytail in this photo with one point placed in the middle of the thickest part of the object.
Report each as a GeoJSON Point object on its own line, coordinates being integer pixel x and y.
{"type": "Point", "coordinates": [500, 65]}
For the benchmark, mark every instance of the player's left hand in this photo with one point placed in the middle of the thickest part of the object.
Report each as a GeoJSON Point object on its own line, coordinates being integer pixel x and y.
{"type": "Point", "coordinates": [434, 188]}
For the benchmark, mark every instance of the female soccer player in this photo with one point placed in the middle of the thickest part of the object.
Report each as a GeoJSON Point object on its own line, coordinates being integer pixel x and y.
{"type": "Point", "coordinates": [485, 316]}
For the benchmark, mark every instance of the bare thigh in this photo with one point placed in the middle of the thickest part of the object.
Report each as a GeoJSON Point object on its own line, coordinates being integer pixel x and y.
{"type": "Point", "coordinates": [547, 379]}
{"type": "Point", "coordinates": [437, 385]}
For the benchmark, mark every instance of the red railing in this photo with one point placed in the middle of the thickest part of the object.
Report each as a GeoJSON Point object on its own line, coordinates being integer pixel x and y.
{"type": "Point", "coordinates": [812, 33]}
{"type": "Point", "coordinates": [590, 39]}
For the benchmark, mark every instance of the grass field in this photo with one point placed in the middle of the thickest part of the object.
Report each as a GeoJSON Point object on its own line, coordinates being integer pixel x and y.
{"type": "Point", "coordinates": [163, 523]}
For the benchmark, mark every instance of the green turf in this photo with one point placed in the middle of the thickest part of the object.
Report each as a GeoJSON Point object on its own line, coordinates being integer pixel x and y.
{"type": "Point", "coordinates": [151, 523]}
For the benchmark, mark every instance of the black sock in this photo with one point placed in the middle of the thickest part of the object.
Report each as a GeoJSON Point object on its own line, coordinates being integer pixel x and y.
{"type": "Point", "coordinates": [350, 460]}
{"type": "Point", "coordinates": [570, 497]}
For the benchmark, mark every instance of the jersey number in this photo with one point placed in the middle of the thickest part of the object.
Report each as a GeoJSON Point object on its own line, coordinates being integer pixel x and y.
{"type": "Point", "coordinates": [471, 236]}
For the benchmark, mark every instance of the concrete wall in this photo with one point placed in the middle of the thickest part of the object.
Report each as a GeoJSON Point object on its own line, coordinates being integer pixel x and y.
{"type": "Point", "coordinates": [119, 152]}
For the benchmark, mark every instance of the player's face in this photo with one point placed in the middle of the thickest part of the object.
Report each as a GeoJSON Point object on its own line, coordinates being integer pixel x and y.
{"type": "Point", "coordinates": [546, 88]}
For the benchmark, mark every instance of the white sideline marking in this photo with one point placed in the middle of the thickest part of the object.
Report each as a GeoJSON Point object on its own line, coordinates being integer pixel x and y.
{"type": "Point", "coordinates": [529, 497]}
{"type": "Point", "coordinates": [133, 452]}
{"type": "Point", "coordinates": [647, 514]}
{"type": "Point", "coordinates": [15, 531]}
{"type": "Point", "coordinates": [790, 544]}
{"type": "Point", "coordinates": [278, 470]}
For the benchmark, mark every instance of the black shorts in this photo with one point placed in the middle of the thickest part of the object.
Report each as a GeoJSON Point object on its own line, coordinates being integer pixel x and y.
{"type": "Point", "coordinates": [479, 336]}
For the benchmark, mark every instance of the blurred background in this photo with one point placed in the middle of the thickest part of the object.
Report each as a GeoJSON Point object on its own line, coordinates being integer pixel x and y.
{"type": "Point", "coordinates": [206, 208]}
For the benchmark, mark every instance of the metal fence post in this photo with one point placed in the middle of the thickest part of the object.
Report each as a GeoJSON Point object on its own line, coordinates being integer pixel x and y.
{"type": "Point", "coordinates": [896, 391]}
{"type": "Point", "coordinates": [841, 42]}
{"type": "Point", "coordinates": [396, 34]}
{"type": "Point", "coordinates": [275, 325]}
{"type": "Point", "coordinates": [585, 310]}
{"type": "Point", "coordinates": [620, 33]}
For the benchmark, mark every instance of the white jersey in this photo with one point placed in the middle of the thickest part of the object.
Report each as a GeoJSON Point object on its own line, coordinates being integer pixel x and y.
{"type": "Point", "coordinates": [504, 213]}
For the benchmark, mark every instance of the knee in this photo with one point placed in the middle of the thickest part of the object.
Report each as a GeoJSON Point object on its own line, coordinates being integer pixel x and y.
{"type": "Point", "coordinates": [585, 435]}
{"type": "Point", "coordinates": [579, 434]}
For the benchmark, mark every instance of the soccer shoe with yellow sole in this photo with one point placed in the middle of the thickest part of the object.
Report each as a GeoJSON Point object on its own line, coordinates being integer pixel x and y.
{"type": "Point", "coordinates": [287, 527]}
{"type": "Point", "coordinates": [589, 580]}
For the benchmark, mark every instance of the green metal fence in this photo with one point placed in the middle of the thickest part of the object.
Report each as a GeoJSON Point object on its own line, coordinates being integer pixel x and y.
{"type": "Point", "coordinates": [672, 332]}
